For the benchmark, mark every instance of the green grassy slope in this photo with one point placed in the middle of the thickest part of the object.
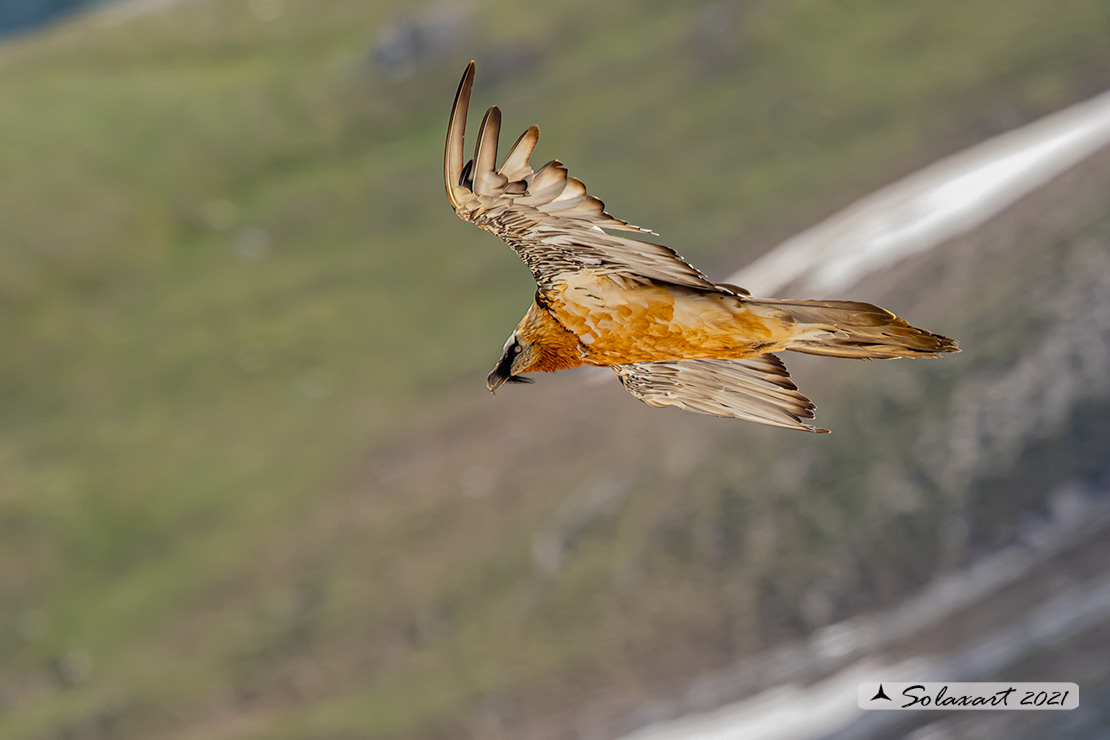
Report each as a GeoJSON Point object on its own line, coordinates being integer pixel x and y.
{"type": "Point", "coordinates": [244, 337]}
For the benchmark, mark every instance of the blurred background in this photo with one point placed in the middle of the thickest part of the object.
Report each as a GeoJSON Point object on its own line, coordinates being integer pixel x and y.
{"type": "Point", "coordinates": [252, 484]}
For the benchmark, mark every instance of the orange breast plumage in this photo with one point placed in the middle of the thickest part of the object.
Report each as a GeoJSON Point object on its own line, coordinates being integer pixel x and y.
{"type": "Point", "coordinates": [619, 320]}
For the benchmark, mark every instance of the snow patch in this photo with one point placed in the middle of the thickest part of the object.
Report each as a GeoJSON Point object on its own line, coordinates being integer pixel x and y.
{"type": "Point", "coordinates": [942, 201]}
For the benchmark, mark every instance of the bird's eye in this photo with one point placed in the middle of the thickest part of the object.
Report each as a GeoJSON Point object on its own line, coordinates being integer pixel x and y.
{"type": "Point", "coordinates": [517, 349]}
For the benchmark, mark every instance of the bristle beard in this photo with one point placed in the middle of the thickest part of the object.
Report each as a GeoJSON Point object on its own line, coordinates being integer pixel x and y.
{"type": "Point", "coordinates": [520, 379]}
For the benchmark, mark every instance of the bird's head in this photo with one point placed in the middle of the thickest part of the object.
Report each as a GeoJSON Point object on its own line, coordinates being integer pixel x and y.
{"type": "Point", "coordinates": [518, 357]}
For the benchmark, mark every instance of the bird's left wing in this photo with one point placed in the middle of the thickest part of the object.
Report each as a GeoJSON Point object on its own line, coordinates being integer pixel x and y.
{"type": "Point", "coordinates": [757, 389]}
{"type": "Point", "coordinates": [544, 215]}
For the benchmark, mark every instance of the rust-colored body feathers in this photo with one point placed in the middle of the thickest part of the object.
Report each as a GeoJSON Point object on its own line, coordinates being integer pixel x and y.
{"type": "Point", "coordinates": [673, 337]}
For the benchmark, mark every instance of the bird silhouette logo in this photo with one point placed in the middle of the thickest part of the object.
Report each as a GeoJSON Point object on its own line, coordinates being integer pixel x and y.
{"type": "Point", "coordinates": [880, 694]}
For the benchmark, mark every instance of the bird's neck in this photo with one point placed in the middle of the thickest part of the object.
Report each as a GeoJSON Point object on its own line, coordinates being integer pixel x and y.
{"type": "Point", "coordinates": [556, 348]}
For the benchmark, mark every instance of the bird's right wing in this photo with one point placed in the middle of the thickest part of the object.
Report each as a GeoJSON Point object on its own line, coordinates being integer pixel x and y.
{"type": "Point", "coordinates": [546, 216]}
{"type": "Point", "coordinates": [757, 389]}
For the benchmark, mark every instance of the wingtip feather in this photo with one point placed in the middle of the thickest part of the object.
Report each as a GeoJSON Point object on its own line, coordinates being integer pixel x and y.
{"type": "Point", "coordinates": [516, 167]}
{"type": "Point", "coordinates": [456, 126]}
{"type": "Point", "coordinates": [486, 180]}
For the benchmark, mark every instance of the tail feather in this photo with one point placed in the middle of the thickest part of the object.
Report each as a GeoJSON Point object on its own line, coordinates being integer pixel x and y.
{"type": "Point", "coordinates": [855, 330]}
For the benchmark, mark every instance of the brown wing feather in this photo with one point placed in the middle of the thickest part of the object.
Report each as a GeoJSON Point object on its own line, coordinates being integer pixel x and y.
{"type": "Point", "coordinates": [453, 152]}
{"type": "Point", "coordinates": [546, 216]}
{"type": "Point", "coordinates": [758, 389]}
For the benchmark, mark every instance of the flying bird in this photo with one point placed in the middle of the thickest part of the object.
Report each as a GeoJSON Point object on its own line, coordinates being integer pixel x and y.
{"type": "Point", "coordinates": [673, 337]}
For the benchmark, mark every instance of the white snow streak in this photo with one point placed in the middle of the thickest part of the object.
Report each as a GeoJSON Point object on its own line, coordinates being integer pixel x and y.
{"type": "Point", "coordinates": [944, 200]}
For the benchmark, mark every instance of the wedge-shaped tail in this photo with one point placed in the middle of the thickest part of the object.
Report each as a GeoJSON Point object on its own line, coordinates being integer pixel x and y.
{"type": "Point", "coordinates": [856, 330]}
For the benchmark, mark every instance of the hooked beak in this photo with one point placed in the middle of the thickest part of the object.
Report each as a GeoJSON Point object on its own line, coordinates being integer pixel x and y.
{"type": "Point", "coordinates": [495, 381]}
{"type": "Point", "coordinates": [500, 374]}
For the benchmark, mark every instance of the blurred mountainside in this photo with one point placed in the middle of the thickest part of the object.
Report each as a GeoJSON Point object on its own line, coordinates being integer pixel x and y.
{"type": "Point", "coordinates": [251, 482]}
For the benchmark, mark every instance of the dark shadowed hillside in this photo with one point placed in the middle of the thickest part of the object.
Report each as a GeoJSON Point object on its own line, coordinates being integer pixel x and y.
{"type": "Point", "coordinates": [23, 15]}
